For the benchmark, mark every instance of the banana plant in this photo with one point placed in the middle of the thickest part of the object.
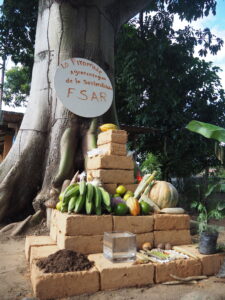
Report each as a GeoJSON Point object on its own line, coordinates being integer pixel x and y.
{"type": "Point", "coordinates": [210, 131]}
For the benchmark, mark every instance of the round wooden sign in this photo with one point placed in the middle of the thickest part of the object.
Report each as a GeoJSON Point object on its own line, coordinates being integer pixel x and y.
{"type": "Point", "coordinates": [83, 87]}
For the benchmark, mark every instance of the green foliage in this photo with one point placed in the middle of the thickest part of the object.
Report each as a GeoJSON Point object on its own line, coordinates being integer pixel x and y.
{"type": "Point", "coordinates": [17, 86]}
{"type": "Point", "coordinates": [159, 84]}
{"type": "Point", "coordinates": [208, 208]}
{"type": "Point", "coordinates": [150, 164]}
{"type": "Point", "coordinates": [209, 131]}
{"type": "Point", "coordinates": [17, 30]}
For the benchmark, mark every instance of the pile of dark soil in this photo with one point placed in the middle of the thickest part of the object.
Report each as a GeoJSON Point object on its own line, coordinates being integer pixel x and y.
{"type": "Point", "coordinates": [65, 261]}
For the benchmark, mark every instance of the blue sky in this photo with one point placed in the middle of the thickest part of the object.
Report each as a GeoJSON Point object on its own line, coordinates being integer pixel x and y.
{"type": "Point", "coordinates": [217, 26]}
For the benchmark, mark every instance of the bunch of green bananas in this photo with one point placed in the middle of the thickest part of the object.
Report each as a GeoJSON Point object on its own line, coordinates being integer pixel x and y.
{"type": "Point", "coordinates": [84, 197]}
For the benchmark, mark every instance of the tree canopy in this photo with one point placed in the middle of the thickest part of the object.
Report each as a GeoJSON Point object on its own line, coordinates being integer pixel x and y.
{"type": "Point", "coordinates": [160, 84]}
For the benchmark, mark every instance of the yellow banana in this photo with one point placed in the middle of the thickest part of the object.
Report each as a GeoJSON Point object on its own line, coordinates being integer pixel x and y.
{"type": "Point", "coordinates": [108, 126]}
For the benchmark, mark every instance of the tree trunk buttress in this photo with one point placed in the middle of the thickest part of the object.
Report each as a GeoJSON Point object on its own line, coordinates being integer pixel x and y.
{"type": "Point", "coordinates": [77, 29]}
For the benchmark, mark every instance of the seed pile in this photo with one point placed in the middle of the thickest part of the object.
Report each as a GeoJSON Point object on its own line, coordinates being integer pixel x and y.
{"type": "Point", "coordinates": [65, 261]}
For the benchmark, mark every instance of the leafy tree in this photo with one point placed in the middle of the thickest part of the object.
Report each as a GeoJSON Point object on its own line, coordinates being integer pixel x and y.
{"type": "Point", "coordinates": [160, 84]}
{"type": "Point", "coordinates": [17, 86]}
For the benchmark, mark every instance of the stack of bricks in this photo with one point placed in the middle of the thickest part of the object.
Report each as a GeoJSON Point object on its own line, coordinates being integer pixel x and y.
{"type": "Point", "coordinates": [84, 233]}
{"type": "Point", "coordinates": [113, 167]}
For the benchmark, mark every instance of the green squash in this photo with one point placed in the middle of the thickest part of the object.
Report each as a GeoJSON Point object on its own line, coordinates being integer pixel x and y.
{"type": "Point", "coordinates": [164, 194]}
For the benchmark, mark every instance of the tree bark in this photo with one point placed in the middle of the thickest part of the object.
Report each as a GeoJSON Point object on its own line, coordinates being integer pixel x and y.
{"type": "Point", "coordinates": [64, 30]}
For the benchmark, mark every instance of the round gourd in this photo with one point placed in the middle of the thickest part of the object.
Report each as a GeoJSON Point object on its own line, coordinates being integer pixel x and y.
{"type": "Point", "coordinates": [164, 194]}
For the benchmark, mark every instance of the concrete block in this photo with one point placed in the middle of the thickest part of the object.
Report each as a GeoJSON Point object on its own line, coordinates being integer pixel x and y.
{"type": "Point", "coordinates": [110, 162]}
{"type": "Point", "coordinates": [137, 224]}
{"type": "Point", "coordinates": [113, 176]}
{"type": "Point", "coordinates": [38, 252]}
{"type": "Point", "coordinates": [174, 237]}
{"type": "Point", "coordinates": [83, 244]}
{"type": "Point", "coordinates": [34, 240]}
{"type": "Point", "coordinates": [110, 187]}
{"type": "Point", "coordinates": [181, 268]}
{"type": "Point", "coordinates": [59, 285]}
{"type": "Point", "coordinates": [114, 136]}
{"type": "Point", "coordinates": [141, 238]}
{"type": "Point", "coordinates": [53, 232]}
{"type": "Point", "coordinates": [131, 187]}
{"type": "Point", "coordinates": [171, 222]}
{"type": "Point", "coordinates": [121, 275]}
{"type": "Point", "coordinates": [114, 149]}
{"type": "Point", "coordinates": [77, 225]}
{"type": "Point", "coordinates": [210, 263]}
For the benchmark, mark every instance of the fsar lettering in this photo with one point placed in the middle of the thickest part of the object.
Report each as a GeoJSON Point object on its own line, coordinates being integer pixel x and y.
{"type": "Point", "coordinates": [83, 95]}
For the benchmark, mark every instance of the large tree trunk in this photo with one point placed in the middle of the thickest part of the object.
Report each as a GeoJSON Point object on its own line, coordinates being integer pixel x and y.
{"type": "Point", "coordinates": [64, 29]}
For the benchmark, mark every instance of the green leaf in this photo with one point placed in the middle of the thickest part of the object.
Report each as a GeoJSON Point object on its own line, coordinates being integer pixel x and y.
{"type": "Point", "coordinates": [207, 130]}
{"type": "Point", "coordinates": [221, 205]}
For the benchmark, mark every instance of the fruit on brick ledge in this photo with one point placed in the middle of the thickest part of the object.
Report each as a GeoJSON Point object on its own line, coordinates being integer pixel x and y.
{"type": "Point", "coordinates": [121, 209]}
{"type": "Point", "coordinates": [108, 126]}
{"type": "Point", "coordinates": [164, 194]}
{"type": "Point", "coordinates": [145, 208]}
{"type": "Point", "coordinates": [147, 246]}
{"type": "Point", "coordinates": [121, 190]}
{"type": "Point", "coordinates": [134, 206]}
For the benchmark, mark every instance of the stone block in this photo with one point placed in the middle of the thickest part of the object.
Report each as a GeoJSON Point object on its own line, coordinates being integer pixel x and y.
{"type": "Point", "coordinates": [131, 187]}
{"type": "Point", "coordinates": [181, 268]}
{"type": "Point", "coordinates": [53, 232]}
{"type": "Point", "coordinates": [174, 237]}
{"type": "Point", "coordinates": [113, 176]}
{"type": "Point", "coordinates": [110, 162]}
{"type": "Point", "coordinates": [83, 244]}
{"type": "Point", "coordinates": [121, 275]}
{"type": "Point", "coordinates": [112, 136]}
{"type": "Point", "coordinates": [59, 285]}
{"type": "Point", "coordinates": [77, 225]}
{"type": "Point", "coordinates": [110, 187]}
{"type": "Point", "coordinates": [171, 222]}
{"type": "Point", "coordinates": [142, 238]}
{"type": "Point", "coordinates": [114, 149]}
{"type": "Point", "coordinates": [34, 240]}
{"type": "Point", "coordinates": [134, 224]}
{"type": "Point", "coordinates": [210, 263]}
{"type": "Point", "coordinates": [42, 251]}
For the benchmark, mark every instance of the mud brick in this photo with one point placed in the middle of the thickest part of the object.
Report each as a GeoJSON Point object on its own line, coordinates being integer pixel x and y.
{"type": "Point", "coordinates": [181, 268]}
{"type": "Point", "coordinates": [114, 136]}
{"type": "Point", "coordinates": [34, 240]}
{"type": "Point", "coordinates": [110, 162]}
{"type": "Point", "coordinates": [171, 222]}
{"type": "Point", "coordinates": [77, 225]}
{"type": "Point", "coordinates": [83, 244]}
{"type": "Point", "coordinates": [59, 285]}
{"type": "Point", "coordinates": [53, 231]}
{"type": "Point", "coordinates": [110, 187]}
{"type": "Point", "coordinates": [131, 187]}
{"type": "Point", "coordinates": [174, 237]}
{"type": "Point", "coordinates": [134, 224]}
{"type": "Point", "coordinates": [121, 275]}
{"type": "Point", "coordinates": [114, 149]}
{"type": "Point", "coordinates": [113, 176]}
{"type": "Point", "coordinates": [142, 238]}
{"type": "Point", "coordinates": [210, 263]}
{"type": "Point", "coordinates": [42, 251]}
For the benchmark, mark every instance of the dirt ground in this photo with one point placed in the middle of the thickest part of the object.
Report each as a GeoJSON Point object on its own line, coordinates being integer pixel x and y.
{"type": "Point", "coordinates": [15, 281]}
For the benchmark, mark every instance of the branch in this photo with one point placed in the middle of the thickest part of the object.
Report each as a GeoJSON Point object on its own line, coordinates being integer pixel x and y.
{"type": "Point", "coordinates": [129, 8]}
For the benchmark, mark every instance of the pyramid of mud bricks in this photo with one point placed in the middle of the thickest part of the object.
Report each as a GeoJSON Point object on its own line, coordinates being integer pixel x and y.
{"type": "Point", "coordinates": [113, 167]}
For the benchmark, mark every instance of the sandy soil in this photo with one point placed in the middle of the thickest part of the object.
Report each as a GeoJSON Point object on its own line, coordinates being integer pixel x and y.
{"type": "Point", "coordinates": [15, 282]}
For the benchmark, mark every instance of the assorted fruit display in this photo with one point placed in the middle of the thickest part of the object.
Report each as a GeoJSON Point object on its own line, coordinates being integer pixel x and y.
{"type": "Point", "coordinates": [85, 194]}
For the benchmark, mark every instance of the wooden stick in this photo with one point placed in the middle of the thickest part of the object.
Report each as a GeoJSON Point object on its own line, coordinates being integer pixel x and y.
{"type": "Point", "coordinates": [190, 278]}
{"type": "Point", "coordinates": [184, 251]}
{"type": "Point", "coordinates": [179, 282]}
